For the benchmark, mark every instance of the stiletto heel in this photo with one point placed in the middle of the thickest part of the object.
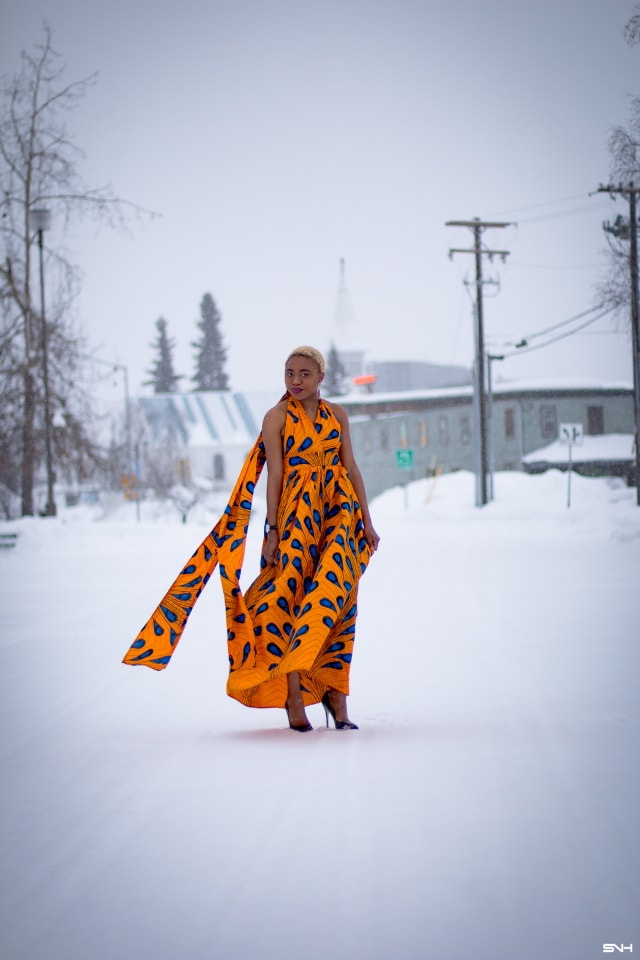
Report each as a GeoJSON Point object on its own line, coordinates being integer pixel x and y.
{"type": "Point", "coordinates": [330, 712]}
{"type": "Point", "coordinates": [298, 727]}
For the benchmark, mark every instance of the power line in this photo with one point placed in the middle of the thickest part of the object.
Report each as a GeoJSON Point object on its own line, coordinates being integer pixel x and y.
{"type": "Point", "coordinates": [564, 213]}
{"type": "Point", "coordinates": [538, 206]}
{"type": "Point", "coordinates": [563, 336]}
{"type": "Point", "coordinates": [553, 266]}
{"type": "Point", "coordinates": [549, 203]}
{"type": "Point", "coordinates": [563, 323]}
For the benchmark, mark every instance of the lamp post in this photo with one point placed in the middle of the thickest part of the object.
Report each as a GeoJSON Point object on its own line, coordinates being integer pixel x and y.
{"type": "Point", "coordinates": [127, 413]}
{"type": "Point", "coordinates": [40, 220]}
{"type": "Point", "coordinates": [127, 407]}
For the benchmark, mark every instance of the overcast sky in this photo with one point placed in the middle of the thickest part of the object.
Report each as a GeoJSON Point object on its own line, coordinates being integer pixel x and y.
{"type": "Point", "coordinates": [276, 136]}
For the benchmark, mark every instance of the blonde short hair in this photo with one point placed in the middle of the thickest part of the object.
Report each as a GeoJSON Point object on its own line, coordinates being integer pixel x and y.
{"type": "Point", "coordinates": [311, 353]}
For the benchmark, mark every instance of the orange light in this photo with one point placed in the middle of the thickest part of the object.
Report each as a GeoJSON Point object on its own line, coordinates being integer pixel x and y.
{"type": "Point", "coordinates": [365, 379]}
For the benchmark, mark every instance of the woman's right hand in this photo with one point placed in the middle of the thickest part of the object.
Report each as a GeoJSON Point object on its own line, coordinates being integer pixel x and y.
{"type": "Point", "coordinates": [270, 548]}
{"type": "Point", "coordinates": [371, 536]}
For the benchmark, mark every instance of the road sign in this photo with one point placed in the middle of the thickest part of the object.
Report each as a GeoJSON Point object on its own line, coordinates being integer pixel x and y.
{"type": "Point", "coordinates": [571, 434]}
{"type": "Point", "coordinates": [404, 459]}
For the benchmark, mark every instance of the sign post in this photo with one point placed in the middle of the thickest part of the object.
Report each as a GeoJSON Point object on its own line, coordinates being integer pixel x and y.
{"type": "Point", "coordinates": [404, 461]}
{"type": "Point", "coordinates": [570, 435]}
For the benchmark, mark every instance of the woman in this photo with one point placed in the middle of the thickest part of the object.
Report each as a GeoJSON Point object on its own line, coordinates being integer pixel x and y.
{"type": "Point", "coordinates": [291, 636]}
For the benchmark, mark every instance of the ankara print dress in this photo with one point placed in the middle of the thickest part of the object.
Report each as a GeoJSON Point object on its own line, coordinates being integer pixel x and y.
{"type": "Point", "coordinates": [300, 613]}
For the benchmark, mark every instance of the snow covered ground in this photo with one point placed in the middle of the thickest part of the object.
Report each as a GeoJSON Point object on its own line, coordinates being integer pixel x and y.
{"type": "Point", "coordinates": [487, 809]}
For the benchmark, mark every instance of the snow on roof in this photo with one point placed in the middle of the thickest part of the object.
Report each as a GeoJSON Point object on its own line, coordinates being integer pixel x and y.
{"type": "Point", "coordinates": [202, 418]}
{"type": "Point", "coordinates": [259, 402]}
{"type": "Point", "coordinates": [501, 386]}
{"type": "Point", "coordinates": [569, 383]}
{"type": "Point", "coordinates": [612, 446]}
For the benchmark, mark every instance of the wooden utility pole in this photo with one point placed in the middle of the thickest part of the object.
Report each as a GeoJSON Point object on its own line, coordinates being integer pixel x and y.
{"type": "Point", "coordinates": [631, 192]}
{"type": "Point", "coordinates": [481, 437]}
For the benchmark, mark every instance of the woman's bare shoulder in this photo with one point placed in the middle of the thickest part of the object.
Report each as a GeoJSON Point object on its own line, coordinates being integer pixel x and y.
{"type": "Point", "coordinates": [338, 411]}
{"type": "Point", "coordinates": [275, 417]}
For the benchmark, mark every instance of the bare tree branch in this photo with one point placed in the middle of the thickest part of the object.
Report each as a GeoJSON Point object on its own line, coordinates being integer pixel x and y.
{"type": "Point", "coordinates": [39, 169]}
{"type": "Point", "coordinates": [632, 27]}
{"type": "Point", "coordinates": [614, 290]}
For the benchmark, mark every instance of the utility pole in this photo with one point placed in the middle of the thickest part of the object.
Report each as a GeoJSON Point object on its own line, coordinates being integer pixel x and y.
{"type": "Point", "coordinates": [618, 229]}
{"type": "Point", "coordinates": [478, 226]}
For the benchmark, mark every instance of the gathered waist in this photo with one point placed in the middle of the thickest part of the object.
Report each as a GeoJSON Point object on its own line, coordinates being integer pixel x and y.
{"type": "Point", "coordinates": [313, 458]}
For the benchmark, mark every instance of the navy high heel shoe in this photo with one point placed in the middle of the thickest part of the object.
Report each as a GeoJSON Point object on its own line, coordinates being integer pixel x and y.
{"type": "Point", "coordinates": [330, 712]}
{"type": "Point", "coordinates": [298, 727]}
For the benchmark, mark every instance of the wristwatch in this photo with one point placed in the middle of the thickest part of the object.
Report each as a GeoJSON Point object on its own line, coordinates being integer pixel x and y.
{"type": "Point", "coordinates": [268, 527]}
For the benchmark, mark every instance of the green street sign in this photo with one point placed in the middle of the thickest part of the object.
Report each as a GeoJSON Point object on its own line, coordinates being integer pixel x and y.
{"type": "Point", "coordinates": [404, 459]}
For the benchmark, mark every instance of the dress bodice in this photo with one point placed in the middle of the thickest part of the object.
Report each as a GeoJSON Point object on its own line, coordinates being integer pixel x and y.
{"type": "Point", "coordinates": [311, 444]}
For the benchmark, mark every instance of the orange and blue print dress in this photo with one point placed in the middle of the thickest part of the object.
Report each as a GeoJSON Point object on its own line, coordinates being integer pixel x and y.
{"type": "Point", "coordinates": [299, 613]}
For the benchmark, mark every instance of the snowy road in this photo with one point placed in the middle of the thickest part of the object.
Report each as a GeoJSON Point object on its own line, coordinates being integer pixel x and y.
{"type": "Point", "coordinates": [487, 807]}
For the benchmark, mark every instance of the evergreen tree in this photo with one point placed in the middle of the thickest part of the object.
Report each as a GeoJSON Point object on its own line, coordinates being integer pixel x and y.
{"type": "Point", "coordinates": [335, 374]}
{"type": "Point", "coordinates": [163, 378]}
{"type": "Point", "coordinates": [211, 354]}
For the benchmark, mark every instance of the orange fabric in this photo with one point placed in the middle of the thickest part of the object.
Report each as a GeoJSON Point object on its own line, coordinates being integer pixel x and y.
{"type": "Point", "coordinates": [300, 613]}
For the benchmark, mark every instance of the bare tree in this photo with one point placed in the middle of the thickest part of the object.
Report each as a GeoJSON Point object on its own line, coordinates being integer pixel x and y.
{"type": "Point", "coordinates": [632, 27]}
{"type": "Point", "coordinates": [624, 151]}
{"type": "Point", "coordinates": [39, 172]}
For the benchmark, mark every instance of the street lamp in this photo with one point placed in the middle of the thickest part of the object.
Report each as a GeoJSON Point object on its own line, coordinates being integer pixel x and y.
{"type": "Point", "coordinates": [40, 220]}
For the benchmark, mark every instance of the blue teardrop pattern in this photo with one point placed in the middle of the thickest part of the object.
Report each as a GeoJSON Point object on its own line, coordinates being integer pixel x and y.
{"type": "Point", "coordinates": [299, 614]}
{"type": "Point", "coordinates": [156, 642]}
{"type": "Point", "coordinates": [310, 606]}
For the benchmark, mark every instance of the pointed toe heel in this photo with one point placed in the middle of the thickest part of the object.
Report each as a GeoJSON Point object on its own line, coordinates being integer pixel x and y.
{"type": "Point", "coordinates": [330, 712]}
{"type": "Point", "coordinates": [298, 727]}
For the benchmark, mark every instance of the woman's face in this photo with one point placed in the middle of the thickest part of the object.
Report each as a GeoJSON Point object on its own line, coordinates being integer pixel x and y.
{"type": "Point", "coordinates": [302, 377]}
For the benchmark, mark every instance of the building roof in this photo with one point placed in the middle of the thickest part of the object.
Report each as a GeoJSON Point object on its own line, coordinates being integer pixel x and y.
{"type": "Point", "coordinates": [502, 387]}
{"type": "Point", "coordinates": [201, 418]}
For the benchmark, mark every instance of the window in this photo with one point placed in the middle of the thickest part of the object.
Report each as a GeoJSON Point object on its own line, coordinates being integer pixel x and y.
{"type": "Point", "coordinates": [595, 421]}
{"type": "Point", "coordinates": [548, 422]}
{"type": "Point", "coordinates": [509, 423]}
{"type": "Point", "coordinates": [384, 437]}
{"type": "Point", "coordinates": [465, 430]}
{"type": "Point", "coordinates": [443, 431]}
{"type": "Point", "coordinates": [183, 472]}
{"type": "Point", "coordinates": [423, 433]}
